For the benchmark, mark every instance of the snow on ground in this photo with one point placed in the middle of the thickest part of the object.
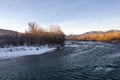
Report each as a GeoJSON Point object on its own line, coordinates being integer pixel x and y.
{"type": "Point", "coordinates": [12, 52]}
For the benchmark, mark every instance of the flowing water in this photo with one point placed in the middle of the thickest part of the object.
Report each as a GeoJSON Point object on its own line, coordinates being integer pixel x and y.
{"type": "Point", "coordinates": [76, 61]}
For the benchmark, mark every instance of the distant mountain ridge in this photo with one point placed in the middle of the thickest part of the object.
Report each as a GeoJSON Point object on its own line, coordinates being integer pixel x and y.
{"type": "Point", "coordinates": [7, 32]}
{"type": "Point", "coordinates": [100, 32]}
{"type": "Point", "coordinates": [111, 35]}
{"type": "Point", "coordinates": [95, 32]}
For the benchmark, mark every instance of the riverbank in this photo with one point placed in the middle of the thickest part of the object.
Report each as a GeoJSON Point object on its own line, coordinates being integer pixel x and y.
{"type": "Point", "coordinates": [11, 52]}
{"type": "Point", "coordinates": [86, 61]}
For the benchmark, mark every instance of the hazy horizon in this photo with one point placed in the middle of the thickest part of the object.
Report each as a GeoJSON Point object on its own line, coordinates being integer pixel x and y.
{"type": "Point", "coordinates": [74, 17]}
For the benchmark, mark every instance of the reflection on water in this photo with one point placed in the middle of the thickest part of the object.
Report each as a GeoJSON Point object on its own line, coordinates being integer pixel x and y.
{"type": "Point", "coordinates": [86, 61]}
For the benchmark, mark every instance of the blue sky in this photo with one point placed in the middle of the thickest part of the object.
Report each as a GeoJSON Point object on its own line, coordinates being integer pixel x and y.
{"type": "Point", "coordinates": [74, 16]}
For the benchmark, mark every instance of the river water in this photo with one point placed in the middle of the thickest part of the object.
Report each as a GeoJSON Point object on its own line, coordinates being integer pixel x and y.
{"type": "Point", "coordinates": [76, 61]}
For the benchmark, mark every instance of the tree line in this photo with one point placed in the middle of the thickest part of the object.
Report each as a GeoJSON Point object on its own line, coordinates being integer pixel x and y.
{"type": "Point", "coordinates": [35, 35]}
{"type": "Point", "coordinates": [110, 36]}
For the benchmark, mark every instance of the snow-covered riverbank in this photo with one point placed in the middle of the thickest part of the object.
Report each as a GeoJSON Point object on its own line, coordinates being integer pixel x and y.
{"type": "Point", "coordinates": [12, 52]}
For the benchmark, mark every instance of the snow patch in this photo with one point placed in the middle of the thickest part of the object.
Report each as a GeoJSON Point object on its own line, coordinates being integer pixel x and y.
{"type": "Point", "coordinates": [11, 52]}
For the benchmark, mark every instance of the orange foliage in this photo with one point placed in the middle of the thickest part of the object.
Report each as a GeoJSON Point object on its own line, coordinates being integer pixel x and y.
{"type": "Point", "coordinates": [104, 37]}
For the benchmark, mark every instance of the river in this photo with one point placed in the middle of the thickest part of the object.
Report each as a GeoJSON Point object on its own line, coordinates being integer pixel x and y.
{"type": "Point", "coordinates": [76, 61]}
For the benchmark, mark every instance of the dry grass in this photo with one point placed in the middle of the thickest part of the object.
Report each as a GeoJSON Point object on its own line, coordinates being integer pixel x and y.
{"type": "Point", "coordinates": [103, 37]}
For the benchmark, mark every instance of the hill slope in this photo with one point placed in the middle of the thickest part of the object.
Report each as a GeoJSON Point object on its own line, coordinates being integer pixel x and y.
{"type": "Point", "coordinates": [108, 36]}
{"type": "Point", "coordinates": [7, 32]}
